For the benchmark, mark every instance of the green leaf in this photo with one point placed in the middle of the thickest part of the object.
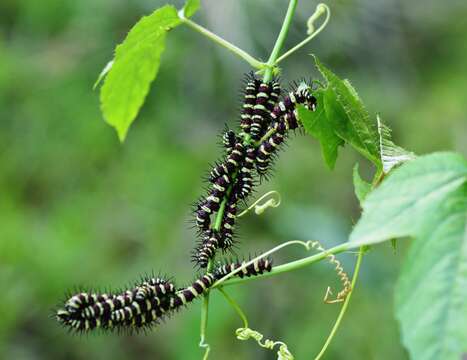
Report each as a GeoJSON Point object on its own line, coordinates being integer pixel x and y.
{"type": "Point", "coordinates": [408, 198]}
{"type": "Point", "coordinates": [431, 294]}
{"type": "Point", "coordinates": [425, 199]}
{"type": "Point", "coordinates": [316, 124]}
{"type": "Point", "coordinates": [135, 66]}
{"type": "Point", "coordinates": [348, 115]}
{"type": "Point", "coordinates": [391, 154]}
{"type": "Point", "coordinates": [362, 188]}
{"type": "Point", "coordinates": [191, 7]}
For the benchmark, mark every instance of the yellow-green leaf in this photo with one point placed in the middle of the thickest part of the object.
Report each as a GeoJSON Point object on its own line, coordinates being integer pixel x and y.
{"type": "Point", "coordinates": [135, 66]}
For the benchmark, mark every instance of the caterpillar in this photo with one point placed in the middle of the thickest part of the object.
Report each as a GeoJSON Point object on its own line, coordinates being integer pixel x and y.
{"type": "Point", "coordinates": [284, 119]}
{"type": "Point", "coordinates": [228, 140]}
{"type": "Point", "coordinates": [228, 224]}
{"type": "Point", "coordinates": [230, 164]}
{"type": "Point", "coordinates": [266, 150]}
{"type": "Point", "coordinates": [251, 90]}
{"type": "Point", "coordinates": [139, 307]}
{"type": "Point", "coordinates": [266, 99]}
{"type": "Point", "coordinates": [207, 249]}
{"type": "Point", "coordinates": [256, 268]}
{"type": "Point", "coordinates": [301, 95]}
{"type": "Point", "coordinates": [205, 208]}
{"type": "Point", "coordinates": [245, 183]}
{"type": "Point", "coordinates": [188, 294]}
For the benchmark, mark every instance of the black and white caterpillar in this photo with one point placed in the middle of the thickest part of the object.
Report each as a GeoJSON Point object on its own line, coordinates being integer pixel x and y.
{"type": "Point", "coordinates": [138, 308]}
{"type": "Point", "coordinates": [284, 118]}
{"type": "Point", "coordinates": [232, 179]}
{"type": "Point", "coordinates": [266, 99]}
{"type": "Point", "coordinates": [206, 249]}
{"type": "Point", "coordinates": [258, 267]}
{"type": "Point", "coordinates": [188, 294]}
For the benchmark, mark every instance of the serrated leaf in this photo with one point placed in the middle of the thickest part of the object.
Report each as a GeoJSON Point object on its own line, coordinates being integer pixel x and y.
{"type": "Point", "coordinates": [391, 154]}
{"type": "Point", "coordinates": [425, 199]}
{"type": "Point", "coordinates": [135, 66]}
{"type": "Point", "coordinates": [431, 294]}
{"type": "Point", "coordinates": [361, 187]}
{"type": "Point", "coordinates": [191, 7]}
{"type": "Point", "coordinates": [317, 125]}
{"type": "Point", "coordinates": [349, 116]}
{"type": "Point", "coordinates": [408, 197]}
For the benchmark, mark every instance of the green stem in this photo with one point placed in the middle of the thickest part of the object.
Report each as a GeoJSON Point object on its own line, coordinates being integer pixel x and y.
{"type": "Point", "coordinates": [224, 43]}
{"type": "Point", "coordinates": [266, 136]}
{"type": "Point", "coordinates": [324, 8]}
{"type": "Point", "coordinates": [293, 265]}
{"type": "Point", "coordinates": [204, 318]}
{"type": "Point", "coordinates": [204, 325]}
{"type": "Point", "coordinates": [280, 41]}
{"type": "Point", "coordinates": [236, 307]}
{"type": "Point", "coordinates": [344, 307]}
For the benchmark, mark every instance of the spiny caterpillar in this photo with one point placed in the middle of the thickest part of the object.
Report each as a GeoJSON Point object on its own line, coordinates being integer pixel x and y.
{"type": "Point", "coordinates": [266, 122]}
{"type": "Point", "coordinates": [188, 294]}
{"type": "Point", "coordinates": [256, 268]}
{"type": "Point", "coordinates": [138, 308]}
{"type": "Point", "coordinates": [284, 117]}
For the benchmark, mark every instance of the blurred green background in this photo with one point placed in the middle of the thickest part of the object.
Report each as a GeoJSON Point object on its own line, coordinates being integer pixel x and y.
{"type": "Point", "coordinates": [79, 208]}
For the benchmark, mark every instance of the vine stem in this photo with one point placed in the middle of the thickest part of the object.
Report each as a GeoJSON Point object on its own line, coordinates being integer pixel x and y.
{"type": "Point", "coordinates": [224, 43]}
{"type": "Point", "coordinates": [203, 327]}
{"type": "Point", "coordinates": [280, 41]}
{"type": "Point", "coordinates": [321, 8]}
{"type": "Point", "coordinates": [204, 318]}
{"type": "Point", "coordinates": [293, 265]}
{"type": "Point", "coordinates": [236, 307]}
{"type": "Point", "coordinates": [344, 307]}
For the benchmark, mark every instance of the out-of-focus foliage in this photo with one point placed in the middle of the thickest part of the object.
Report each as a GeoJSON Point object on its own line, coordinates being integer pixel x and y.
{"type": "Point", "coordinates": [77, 208]}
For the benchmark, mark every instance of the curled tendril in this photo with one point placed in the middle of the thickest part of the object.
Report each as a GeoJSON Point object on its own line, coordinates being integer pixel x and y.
{"type": "Point", "coordinates": [346, 285]}
{"type": "Point", "coordinates": [320, 10]}
{"type": "Point", "coordinates": [274, 201]}
{"type": "Point", "coordinates": [206, 347]}
{"type": "Point", "coordinates": [312, 32]}
{"type": "Point", "coordinates": [246, 333]}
